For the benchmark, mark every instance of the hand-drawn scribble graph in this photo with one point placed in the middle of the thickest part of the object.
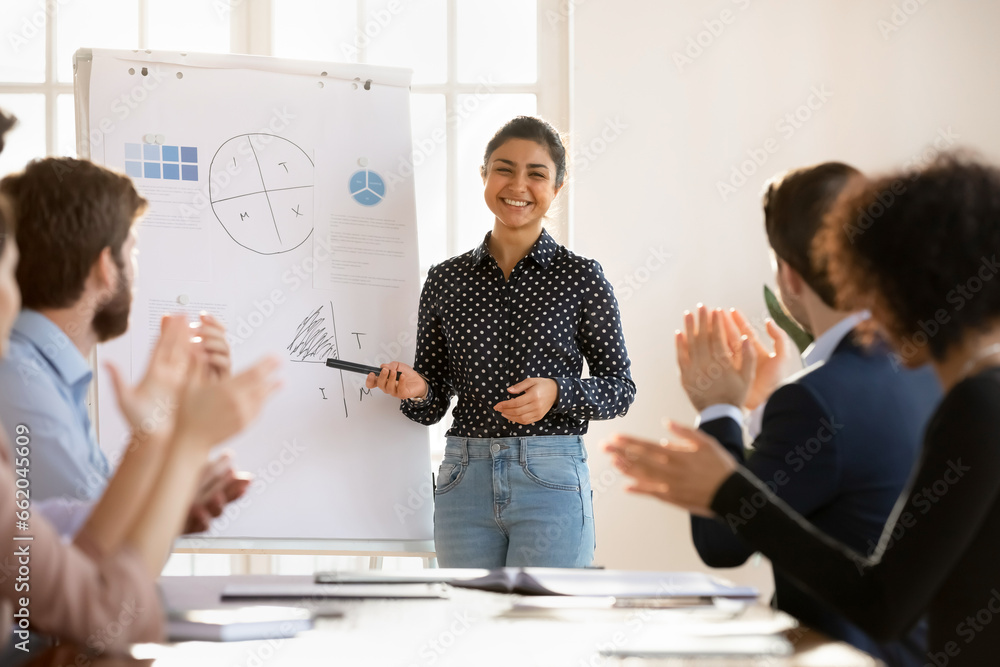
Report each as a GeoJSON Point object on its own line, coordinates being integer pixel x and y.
{"type": "Point", "coordinates": [312, 341]}
{"type": "Point", "coordinates": [315, 341]}
{"type": "Point", "coordinates": [261, 189]}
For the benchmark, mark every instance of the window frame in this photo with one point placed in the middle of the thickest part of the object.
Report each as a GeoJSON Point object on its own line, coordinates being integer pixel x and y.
{"type": "Point", "coordinates": [251, 25]}
{"type": "Point", "coordinates": [252, 33]}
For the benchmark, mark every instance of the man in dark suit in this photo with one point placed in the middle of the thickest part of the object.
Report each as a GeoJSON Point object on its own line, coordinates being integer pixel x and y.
{"type": "Point", "coordinates": [837, 440]}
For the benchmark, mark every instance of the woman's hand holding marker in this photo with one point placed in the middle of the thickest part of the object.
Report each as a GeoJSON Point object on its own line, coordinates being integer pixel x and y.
{"type": "Point", "coordinates": [409, 384]}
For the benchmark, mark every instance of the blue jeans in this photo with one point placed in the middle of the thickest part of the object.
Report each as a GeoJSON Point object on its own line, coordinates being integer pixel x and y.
{"type": "Point", "coordinates": [514, 502]}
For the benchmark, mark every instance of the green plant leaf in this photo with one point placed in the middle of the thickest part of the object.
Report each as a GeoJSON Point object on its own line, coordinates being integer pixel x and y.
{"type": "Point", "coordinates": [799, 336]}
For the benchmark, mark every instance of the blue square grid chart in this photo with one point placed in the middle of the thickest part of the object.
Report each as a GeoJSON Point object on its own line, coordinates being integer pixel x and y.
{"type": "Point", "coordinates": [170, 163]}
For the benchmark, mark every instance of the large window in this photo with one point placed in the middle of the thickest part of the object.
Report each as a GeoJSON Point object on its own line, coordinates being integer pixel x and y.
{"type": "Point", "coordinates": [37, 42]}
{"type": "Point", "coordinates": [476, 64]}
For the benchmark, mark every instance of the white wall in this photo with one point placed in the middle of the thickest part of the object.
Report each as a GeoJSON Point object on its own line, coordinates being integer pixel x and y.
{"type": "Point", "coordinates": [654, 185]}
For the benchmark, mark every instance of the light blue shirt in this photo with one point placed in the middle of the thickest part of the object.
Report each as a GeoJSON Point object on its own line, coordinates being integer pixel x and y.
{"type": "Point", "coordinates": [43, 385]}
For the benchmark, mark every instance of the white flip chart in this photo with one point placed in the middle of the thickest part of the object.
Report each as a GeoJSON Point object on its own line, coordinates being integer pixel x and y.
{"type": "Point", "coordinates": [276, 205]}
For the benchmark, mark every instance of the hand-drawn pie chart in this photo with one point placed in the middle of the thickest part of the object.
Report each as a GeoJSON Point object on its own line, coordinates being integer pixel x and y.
{"type": "Point", "coordinates": [261, 190]}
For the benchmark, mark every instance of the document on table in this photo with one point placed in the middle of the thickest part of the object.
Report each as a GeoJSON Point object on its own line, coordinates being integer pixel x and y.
{"type": "Point", "coordinates": [281, 591]}
{"type": "Point", "coordinates": [437, 575]}
{"type": "Point", "coordinates": [614, 583]}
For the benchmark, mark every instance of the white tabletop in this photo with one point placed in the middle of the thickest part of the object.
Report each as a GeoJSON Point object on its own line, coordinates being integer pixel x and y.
{"type": "Point", "coordinates": [470, 628]}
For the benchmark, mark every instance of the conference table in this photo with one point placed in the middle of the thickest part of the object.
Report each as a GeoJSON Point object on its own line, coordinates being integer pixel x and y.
{"type": "Point", "coordinates": [468, 628]}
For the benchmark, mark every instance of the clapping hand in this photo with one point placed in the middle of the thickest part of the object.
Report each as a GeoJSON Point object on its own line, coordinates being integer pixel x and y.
{"type": "Point", "coordinates": [686, 470]}
{"type": "Point", "coordinates": [150, 406]}
{"type": "Point", "coordinates": [211, 337]}
{"type": "Point", "coordinates": [213, 410]}
{"type": "Point", "coordinates": [770, 367]}
{"type": "Point", "coordinates": [220, 485]}
{"type": "Point", "coordinates": [716, 363]}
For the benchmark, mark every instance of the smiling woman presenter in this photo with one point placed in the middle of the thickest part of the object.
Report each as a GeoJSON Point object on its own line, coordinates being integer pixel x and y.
{"type": "Point", "coordinates": [507, 327]}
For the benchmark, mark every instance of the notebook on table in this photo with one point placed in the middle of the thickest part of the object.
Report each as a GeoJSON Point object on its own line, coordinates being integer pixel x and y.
{"type": "Point", "coordinates": [238, 623]}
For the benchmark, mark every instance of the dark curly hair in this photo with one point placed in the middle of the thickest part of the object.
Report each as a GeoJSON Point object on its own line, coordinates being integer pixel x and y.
{"type": "Point", "coordinates": [533, 129]}
{"type": "Point", "coordinates": [919, 249]}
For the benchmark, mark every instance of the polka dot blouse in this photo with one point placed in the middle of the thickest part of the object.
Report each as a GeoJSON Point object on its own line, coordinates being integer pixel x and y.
{"type": "Point", "coordinates": [479, 333]}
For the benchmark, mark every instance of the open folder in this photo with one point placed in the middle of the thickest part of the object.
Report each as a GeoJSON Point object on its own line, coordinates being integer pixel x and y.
{"type": "Point", "coordinates": [613, 583]}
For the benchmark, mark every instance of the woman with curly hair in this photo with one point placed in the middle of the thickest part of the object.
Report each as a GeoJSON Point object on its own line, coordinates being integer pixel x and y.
{"type": "Point", "coordinates": [918, 249]}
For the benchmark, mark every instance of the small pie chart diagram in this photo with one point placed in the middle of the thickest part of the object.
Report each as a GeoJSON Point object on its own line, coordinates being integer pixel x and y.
{"type": "Point", "coordinates": [261, 190]}
{"type": "Point", "coordinates": [367, 187]}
